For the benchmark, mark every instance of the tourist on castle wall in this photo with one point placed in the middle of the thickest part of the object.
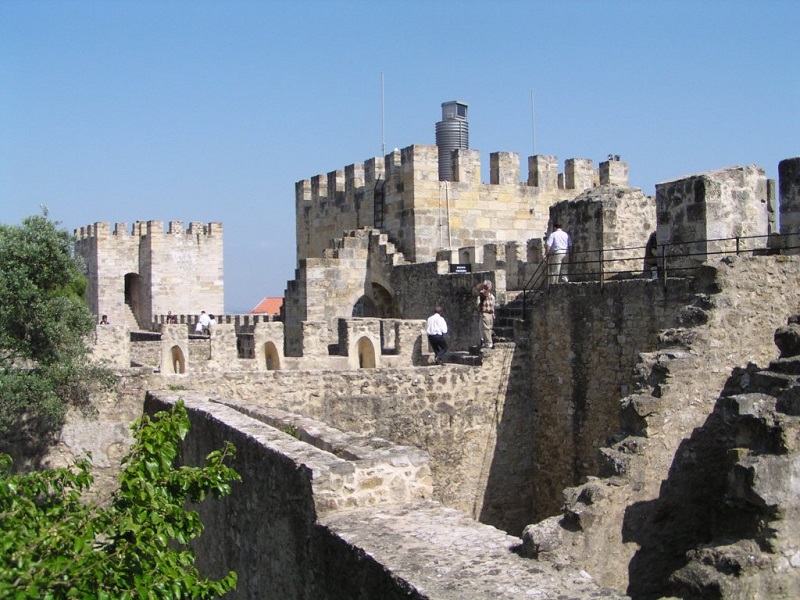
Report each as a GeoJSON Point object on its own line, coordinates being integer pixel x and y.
{"type": "Point", "coordinates": [486, 303]}
{"type": "Point", "coordinates": [558, 246]}
{"type": "Point", "coordinates": [436, 329]}
{"type": "Point", "coordinates": [202, 323]}
{"type": "Point", "coordinates": [212, 323]}
{"type": "Point", "coordinates": [104, 320]}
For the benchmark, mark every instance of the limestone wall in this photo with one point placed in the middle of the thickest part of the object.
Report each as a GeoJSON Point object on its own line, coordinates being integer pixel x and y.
{"type": "Point", "coordinates": [605, 218]}
{"type": "Point", "coordinates": [654, 507]}
{"type": "Point", "coordinates": [789, 176]}
{"type": "Point", "coordinates": [719, 204]}
{"type": "Point", "coordinates": [107, 258]}
{"type": "Point", "coordinates": [279, 532]}
{"type": "Point", "coordinates": [448, 411]}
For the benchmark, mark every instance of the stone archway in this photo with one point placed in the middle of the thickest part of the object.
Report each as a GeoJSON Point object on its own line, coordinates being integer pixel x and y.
{"type": "Point", "coordinates": [378, 304]}
{"type": "Point", "coordinates": [366, 353]}
{"type": "Point", "coordinates": [272, 357]}
{"type": "Point", "coordinates": [177, 361]}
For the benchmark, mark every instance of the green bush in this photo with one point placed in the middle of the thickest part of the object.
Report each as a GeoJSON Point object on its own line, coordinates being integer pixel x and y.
{"type": "Point", "coordinates": [53, 545]}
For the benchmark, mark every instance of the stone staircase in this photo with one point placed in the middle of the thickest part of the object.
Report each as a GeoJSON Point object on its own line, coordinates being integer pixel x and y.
{"type": "Point", "coordinates": [365, 240]}
{"type": "Point", "coordinates": [129, 319]}
{"type": "Point", "coordinates": [511, 311]}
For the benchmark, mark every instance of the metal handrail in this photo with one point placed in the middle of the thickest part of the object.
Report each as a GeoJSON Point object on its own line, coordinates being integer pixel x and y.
{"type": "Point", "coordinates": [666, 257]}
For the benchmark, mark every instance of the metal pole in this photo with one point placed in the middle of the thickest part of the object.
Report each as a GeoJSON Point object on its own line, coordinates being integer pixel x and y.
{"type": "Point", "coordinates": [383, 119]}
{"type": "Point", "coordinates": [533, 126]}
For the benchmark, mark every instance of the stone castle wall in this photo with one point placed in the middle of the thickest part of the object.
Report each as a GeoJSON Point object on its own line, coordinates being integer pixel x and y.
{"type": "Point", "coordinates": [584, 343]}
{"type": "Point", "coordinates": [728, 203]}
{"type": "Point", "coordinates": [147, 272]}
{"type": "Point", "coordinates": [422, 215]}
{"type": "Point", "coordinates": [339, 516]}
{"type": "Point", "coordinates": [610, 227]}
{"type": "Point", "coordinates": [789, 176]}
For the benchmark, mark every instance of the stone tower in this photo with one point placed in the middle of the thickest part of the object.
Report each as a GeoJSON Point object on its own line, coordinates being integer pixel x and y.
{"type": "Point", "coordinates": [133, 276]}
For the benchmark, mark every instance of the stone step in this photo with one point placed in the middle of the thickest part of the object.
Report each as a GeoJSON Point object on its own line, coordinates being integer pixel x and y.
{"type": "Point", "coordinates": [788, 366]}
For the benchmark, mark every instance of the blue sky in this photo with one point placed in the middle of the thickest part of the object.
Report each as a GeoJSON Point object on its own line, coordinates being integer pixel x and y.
{"type": "Point", "coordinates": [211, 111]}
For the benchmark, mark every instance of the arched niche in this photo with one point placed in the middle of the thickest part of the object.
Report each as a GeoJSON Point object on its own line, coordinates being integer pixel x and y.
{"type": "Point", "coordinates": [366, 353]}
{"type": "Point", "coordinates": [272, 357]}
{"type": "Point", "coordinates": [177, 362]}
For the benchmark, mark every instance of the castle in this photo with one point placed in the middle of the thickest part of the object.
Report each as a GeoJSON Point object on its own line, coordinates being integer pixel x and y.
{"type": "Point", "coordinates": [545, 466]}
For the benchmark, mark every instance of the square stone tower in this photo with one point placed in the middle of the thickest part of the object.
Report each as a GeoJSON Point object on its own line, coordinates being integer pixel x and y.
{"type": "Point", "coordinates": [133, 276]}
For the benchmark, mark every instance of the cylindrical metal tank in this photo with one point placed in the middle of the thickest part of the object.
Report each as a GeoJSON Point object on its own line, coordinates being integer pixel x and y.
{"type": "Point", "coordinates": [452, 133]}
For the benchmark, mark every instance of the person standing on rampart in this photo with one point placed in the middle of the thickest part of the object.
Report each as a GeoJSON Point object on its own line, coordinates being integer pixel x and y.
{"type": "Point", "coordinates": [202, 323]}
{"type": "Point", "coordinates": [486, 304]}
{"type": "Point", "coordinates": [558, 246]}
{"type": "Point", "coordinates": [436, 329]}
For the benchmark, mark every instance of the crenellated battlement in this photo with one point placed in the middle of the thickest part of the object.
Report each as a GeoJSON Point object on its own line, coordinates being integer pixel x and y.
{"type": "Point", "coordinates": [421, 162]}
{"type": "Point", "coordinates": [401, 195]}
{"type": "Point", "coordinates": [102, 229]}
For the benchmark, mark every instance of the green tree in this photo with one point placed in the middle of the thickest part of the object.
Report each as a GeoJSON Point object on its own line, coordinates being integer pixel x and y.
{"type": "Point", "coordinates": [53, 546]}
{"type": "Point", "coordinates": [44, 321]}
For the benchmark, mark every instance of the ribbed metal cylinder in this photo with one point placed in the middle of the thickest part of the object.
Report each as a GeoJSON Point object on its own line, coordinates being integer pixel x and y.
{"type": "Point", "coordinates": [451, 135]}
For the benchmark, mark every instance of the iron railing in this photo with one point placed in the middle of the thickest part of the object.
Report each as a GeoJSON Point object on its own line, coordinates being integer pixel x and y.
{"type": "Point", "coordinates": [676, 259]}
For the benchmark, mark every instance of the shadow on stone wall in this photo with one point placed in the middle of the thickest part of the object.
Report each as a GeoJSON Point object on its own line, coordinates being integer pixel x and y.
{"type": "Point", "coordinates": [715, 529]}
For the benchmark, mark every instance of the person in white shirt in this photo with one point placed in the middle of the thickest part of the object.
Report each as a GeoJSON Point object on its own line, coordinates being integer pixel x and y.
{"type": "Point", "coordinates": [558, 245]}
{"type": "Point", "coordinates": [202, 323]}
{"type": "Point", "coordinates": [436, 329]}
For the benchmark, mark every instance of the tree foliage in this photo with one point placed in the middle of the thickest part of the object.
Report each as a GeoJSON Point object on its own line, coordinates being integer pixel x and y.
{"type": "Point", "coordinates": [44, 321]}
{"type": "Point", "coordinates": [52, 545]}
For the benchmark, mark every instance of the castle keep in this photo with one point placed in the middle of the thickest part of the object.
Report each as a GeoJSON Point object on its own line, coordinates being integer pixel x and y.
{"type": "Point", "coordinates": [633, 433]}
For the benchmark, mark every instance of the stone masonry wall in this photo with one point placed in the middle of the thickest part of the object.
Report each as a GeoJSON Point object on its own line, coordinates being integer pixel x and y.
{"type": "Point", "coordinates": [789, 176]}
{"type": "Point", "coordinates": [719, 204]}
{"type": "Point", "coordinates": [448, 411]}
{"type": "Point", "coordinates": [107, 258]}
{"type": "Point", "coordinates": [630, 528]}
{"type": "Point", "coordinates": [603, 218]}
{"type": "Point", "coordinates": [584, 343]}
{"type": "Point", "coordinates": [283, 533]}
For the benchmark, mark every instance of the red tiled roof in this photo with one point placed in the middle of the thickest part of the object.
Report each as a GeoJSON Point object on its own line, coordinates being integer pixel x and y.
{"type": "Point", "coordinates": [268, 306]}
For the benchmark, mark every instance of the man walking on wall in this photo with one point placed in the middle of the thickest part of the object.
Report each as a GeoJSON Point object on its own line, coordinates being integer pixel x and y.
{"type": "Point", "coordinates": [436, 329]}
{"type": "Point", "coordinates": [558, 245]}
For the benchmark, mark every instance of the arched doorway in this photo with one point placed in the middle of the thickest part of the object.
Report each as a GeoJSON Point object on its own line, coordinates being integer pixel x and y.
{"type": "Point", "coordinates": [177, 361]}
{"type": "Point", "coordinates": [271, 356]}
{"type": "Point", "coordinates": [379, 304]}
{"type": "Point", "coordinates": [366, 354]}
{"type": "Point", "coordinates": [132, 291]}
